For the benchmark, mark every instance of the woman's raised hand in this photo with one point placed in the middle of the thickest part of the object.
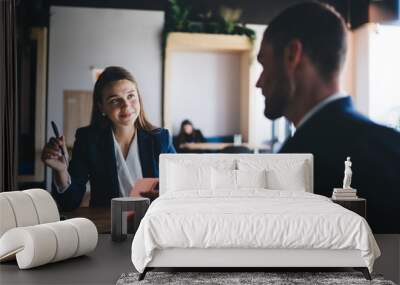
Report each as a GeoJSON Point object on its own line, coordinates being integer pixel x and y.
{"type": "Point", "coordinates": [52, 155]}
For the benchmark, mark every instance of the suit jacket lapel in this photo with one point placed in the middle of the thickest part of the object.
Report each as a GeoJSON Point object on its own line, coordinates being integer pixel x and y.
{"type": "Point", "coordinates": [145, 145]}
{"type": "Point", "coordinates": [108, 151]}
{"type": "Point", "coordinates": [286, 145]}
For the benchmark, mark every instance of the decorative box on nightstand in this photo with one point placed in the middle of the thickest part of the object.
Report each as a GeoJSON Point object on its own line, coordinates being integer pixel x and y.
{"type": "Point", "coordinates": [357, 205]}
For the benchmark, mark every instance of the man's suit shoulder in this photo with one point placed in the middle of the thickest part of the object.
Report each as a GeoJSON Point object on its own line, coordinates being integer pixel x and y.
{"type": "Point", "coordinates": [355, 134]}
{"type": "Point", "coordinates": [334, 127]}
{"type": "Point", "coordinates": [367, 127]}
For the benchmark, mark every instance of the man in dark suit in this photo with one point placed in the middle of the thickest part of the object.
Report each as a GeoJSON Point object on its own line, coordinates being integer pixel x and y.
{"type": "Point", "coordinates": [302, 54]}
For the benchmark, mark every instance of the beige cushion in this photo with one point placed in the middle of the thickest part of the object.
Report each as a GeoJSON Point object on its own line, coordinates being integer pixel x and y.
{"type": "Point", "coordinates": [41, 244]}
{"type": "Point", "coordinates": [7, 218]}
{"type": "Point", "coordinates": [45, 206]}
{"type": "Point", "coordinates": [23, 209]}
{"type": "Point", "coordinates": [26, 208]}
{"type": "Point", "coordinates": [31, 231]}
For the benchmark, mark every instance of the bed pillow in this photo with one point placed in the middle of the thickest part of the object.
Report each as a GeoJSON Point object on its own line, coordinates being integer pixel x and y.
{"type": "Point", "coordinates": [251, 178]}
{"type": "Point", "coordinates": [223, 179]}
{"type": "Point", "coordinates": [181, 177]}
{"type": "Point", "coordinates": [227, 179]}
{"type": "Point", "coordinates": [291, 178]}
{"type": "Point", "coordinates": [281, 174]}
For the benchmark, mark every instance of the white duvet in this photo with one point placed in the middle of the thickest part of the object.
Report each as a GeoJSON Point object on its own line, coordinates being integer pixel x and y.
{"type": "Point", "coordinates": [252, 218]}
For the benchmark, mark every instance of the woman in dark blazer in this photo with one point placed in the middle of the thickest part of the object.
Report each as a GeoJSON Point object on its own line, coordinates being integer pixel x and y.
{"type": "Point", "coordinates": [117, 148]}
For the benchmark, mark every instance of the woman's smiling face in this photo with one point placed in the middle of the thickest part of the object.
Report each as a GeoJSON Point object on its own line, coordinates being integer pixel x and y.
{"type": "Point", "coordinates": [121, 103]}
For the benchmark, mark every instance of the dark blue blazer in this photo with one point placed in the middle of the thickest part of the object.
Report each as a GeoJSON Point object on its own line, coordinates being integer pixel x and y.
{"type": "Point", "coordinates": [337, 131]}
{"type": "Point", "coordinates": [93, 159]}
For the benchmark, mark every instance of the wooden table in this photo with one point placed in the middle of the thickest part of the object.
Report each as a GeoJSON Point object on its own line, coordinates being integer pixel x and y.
{"type": "Point", "coordinates": [220, 146]}
{"type": "Point", "coordinates": [101, 217]}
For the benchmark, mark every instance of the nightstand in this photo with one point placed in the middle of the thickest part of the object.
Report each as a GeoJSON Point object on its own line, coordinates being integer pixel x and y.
{"type": "Point", "coordinates": [358, 205]}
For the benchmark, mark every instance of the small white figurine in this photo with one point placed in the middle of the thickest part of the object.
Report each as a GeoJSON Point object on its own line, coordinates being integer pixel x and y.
{"type": "Point", "coordinates": [347, 174]}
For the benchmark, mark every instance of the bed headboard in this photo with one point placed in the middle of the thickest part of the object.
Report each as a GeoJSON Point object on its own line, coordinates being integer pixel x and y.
{"type": "Point", "coordinates": [284, 166]}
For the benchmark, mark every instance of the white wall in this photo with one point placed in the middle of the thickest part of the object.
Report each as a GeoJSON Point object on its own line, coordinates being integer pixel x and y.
{"type": "Point", "coordinates": [385, 74]}
{"type": "Point", "coordinates": [205, 89]}
{"type": "Point", "coordinates": [84, 37]}
{"type": "Point", "coordinates": [376, 73]}
{"type": "Point", "coordinates": [260, 126]}
{"type": "Point", "coordinates": [361, 55]}
{"type": "Point", "coordinates": [347, 76]}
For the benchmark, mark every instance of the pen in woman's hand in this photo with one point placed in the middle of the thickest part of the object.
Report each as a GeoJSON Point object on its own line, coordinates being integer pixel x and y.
{"type": "Point", "coordinates": [61, 143]}
{"type": "Point", "coordinates": [52, 156]}
{"type": "Point", "coordinates": [57, 134]}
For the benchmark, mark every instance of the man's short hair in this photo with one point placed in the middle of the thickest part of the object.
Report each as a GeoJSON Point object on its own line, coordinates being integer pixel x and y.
{"type": "Point", "coordinates": [320, 29]}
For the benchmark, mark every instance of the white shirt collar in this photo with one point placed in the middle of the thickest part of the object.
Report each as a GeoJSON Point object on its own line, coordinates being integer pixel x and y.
{"type": "Point", "coordinates": [319, 106]}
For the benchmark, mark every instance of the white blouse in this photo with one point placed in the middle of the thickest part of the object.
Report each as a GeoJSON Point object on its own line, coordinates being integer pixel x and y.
{"type": "Point", "coordinates": [128, 170]}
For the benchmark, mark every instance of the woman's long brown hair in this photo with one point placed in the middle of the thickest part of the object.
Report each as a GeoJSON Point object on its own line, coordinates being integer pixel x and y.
{"type": "Point", "coordinates": [110, 75]}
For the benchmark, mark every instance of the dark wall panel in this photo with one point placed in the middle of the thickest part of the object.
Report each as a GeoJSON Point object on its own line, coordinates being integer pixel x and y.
{"type": "Point", "coordinates": [253, 11]}
{"type": "Point", "coordinates": [357, 12]}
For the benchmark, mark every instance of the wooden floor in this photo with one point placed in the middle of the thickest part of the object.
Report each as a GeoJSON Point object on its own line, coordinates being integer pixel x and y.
{"type": "Point", "coordinates": [389, 263]}
{"type": "Point", "coordinates": [110, 259]}
{"type": "Point", "coordinates": [103, 266]}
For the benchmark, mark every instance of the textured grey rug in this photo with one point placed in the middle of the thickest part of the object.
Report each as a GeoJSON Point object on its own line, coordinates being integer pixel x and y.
{"type": "Point", "coordinates": [273, 278]}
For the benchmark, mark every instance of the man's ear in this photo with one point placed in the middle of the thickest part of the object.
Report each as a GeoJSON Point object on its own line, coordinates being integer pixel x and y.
{"type": "Point", "coordinates": [293, 55]}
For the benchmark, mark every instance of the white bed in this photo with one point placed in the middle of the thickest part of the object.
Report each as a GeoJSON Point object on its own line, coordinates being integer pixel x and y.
{"type": "Point", "coordinates": [230, 211]}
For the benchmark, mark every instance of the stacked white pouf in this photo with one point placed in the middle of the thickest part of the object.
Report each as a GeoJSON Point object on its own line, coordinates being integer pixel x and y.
{"type": "Point", "coordinates": [31, 230]}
